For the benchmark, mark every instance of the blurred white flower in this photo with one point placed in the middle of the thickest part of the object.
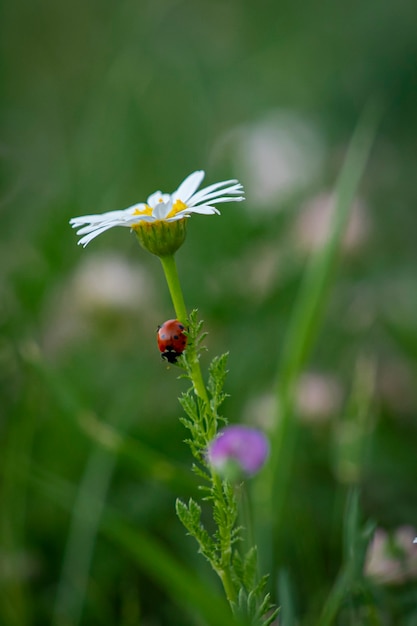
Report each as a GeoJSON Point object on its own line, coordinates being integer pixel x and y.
{"type": "Point", "coordinates": [102, 286]}
{"type": "Point", "coordinates": [392, 560]}
{"type": "Point", "coordinates": [108, 281]}
{"type": "Point", "coordinates": [253, 274]}
{"type": "Point", "coordinates": [279, 154]}
{"type": "Point", "coordinates": [162, 207]}
{"type": "Point", "coordinates": [396, 386]}
{"type": "Point", "coordinates": [313, 226]}
{"type": "Point", "coordinates": [261, 411]}
{"type": "Point", "coordinates": [319, 396]}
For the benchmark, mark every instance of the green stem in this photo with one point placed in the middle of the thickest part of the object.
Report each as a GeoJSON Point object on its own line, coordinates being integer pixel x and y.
{"type": "Point", "coordinates": [171, 274]}
{"type": "Point", "coordinates": [225, 541]}
{"type": "Point", "coordinates": [228, 585]}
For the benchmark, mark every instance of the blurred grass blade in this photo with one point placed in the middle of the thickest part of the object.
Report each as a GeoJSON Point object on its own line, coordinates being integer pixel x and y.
{"type": "Point", "coordinates": [346, 576]}
{"type": "Point", "coordinates": [352, 430]}
{"type": "Point", "coordinates": [351, 525]}
{"type": "Point", "coordinates": [156, 561]}
{"type": "Point", "coordinates": [405, 337]}
{"type": "Point", "coordinates": [287, 613]}
{"type": "Point", "coordinates": [351, 578]}
{"type": "Point", "coordinates": [304, 325]}
{"type": "Point", "coordinates": [312, 296]}
{"type": "Point", "coordinates": [145, 460]}
{"type": "Point", "coordinates": [335, 598]}
{"type": "Point", "coordinates": [109, 445]}
{"type": "Point", "coordinates": [15, 557]}
{"type": "Point", "coordinates": [182, 585]}
{"type": "Point", "coordinates": [81, 538]}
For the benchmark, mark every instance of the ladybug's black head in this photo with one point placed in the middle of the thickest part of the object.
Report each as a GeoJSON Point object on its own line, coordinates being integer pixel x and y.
{"type": "Point", "coordinates": [170, 354]}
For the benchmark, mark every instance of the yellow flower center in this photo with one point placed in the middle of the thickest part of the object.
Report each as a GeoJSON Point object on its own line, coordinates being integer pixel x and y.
{"type": "Point", "coordinates": [146, 211]}
{"type": "Point", "coordinates": [178, 206]}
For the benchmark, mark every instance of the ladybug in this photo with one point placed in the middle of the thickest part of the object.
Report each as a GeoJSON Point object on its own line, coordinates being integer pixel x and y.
{"type": "Point", "coordinates": [171, 340]}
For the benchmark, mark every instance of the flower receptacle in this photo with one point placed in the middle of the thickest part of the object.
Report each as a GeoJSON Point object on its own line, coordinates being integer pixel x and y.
{"type": "Point", "coordinates": [160, 237]}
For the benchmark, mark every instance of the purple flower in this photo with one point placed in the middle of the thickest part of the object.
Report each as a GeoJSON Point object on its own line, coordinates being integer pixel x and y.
{"type": "Point", "coordinates": [238, 450]}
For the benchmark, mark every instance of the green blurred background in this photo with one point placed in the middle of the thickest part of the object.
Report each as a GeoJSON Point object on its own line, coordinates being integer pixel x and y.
{"type": "Point", "coordinates": [101, 104]}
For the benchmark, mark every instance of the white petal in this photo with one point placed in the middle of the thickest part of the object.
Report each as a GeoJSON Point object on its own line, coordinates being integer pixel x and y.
{"type": "Point", "coordinates": [217, 194]}
{"type": "Point", "coordinates": [204, 209]}
{"type": "Point", "coordinates": [227, 199]}
{"type": "Point", "coordinates": [157, 197]}
{"type": "Point", "coordinates": [161, 210]}
{"type": "Point", "coordinates": [107, 224]}
{"type": "Point", "coordinates": [222, 183]}
{"type": "Point", "coordinates": [104, 218]}
{"type": "Point", "coordinates": [135, 219]}
{"type": "Point", "coordinates": [178, 216]}
{"type": "Point", "coordinates": [85, 240]}
{"type": "Point", "coordinates": [128, 222]}
{"type": "Point", "coordinates": [188, 186]}
{"type": "Point", "coordinates": [95, 219]}
{"type": "Point", "coordinates": [214, 190]}
{"type": "Point", "coordinates": [122, 218]}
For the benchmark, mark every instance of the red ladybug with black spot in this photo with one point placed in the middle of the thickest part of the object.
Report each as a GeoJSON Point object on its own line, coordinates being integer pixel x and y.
{"type": "Point", "coordinates": [171, 340]}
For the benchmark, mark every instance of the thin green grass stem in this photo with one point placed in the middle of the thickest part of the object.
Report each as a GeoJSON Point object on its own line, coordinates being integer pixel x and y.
{"type": "Point", "coordinates": [302, 332]}
{"type": "Point", "coordinates": [82, 535]}
{"type": "Point", "coordinates": [245, 515]}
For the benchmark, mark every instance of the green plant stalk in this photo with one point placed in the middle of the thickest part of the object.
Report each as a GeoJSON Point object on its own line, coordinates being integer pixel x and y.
{"type": "Point", "coordinates": [225, 577]}
{"type": "Point", "coordinates": [171, 274]}
{"type": "Point", "coordinates": [224, 572]}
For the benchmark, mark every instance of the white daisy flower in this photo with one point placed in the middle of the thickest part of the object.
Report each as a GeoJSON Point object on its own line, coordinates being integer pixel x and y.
{"type": "Point", "coordinates": [162, 207]}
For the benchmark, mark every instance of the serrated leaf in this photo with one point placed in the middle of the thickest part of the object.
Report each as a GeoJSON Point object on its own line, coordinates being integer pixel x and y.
{"type": "Point", "coordinates": [265, 605]}
{"type": "Point", "coordinates": [237, 568]}
{"type": "Point", "coordinates": [217, 377]}
{"type": "Point", "coordinates": [190, 517]}
{"type": "Point", "coordinates": [202, 473]}
{"type": "Point", "coordinates": [271, 618]}
{"type": "Point", "coordinates": [189, 404]}
{"type": "Point", "coordinates": [252, 603]}
{"type": "Point", "coordinates": [183, 513]}
{"type": "Point", "coordinates": [250, 567]}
